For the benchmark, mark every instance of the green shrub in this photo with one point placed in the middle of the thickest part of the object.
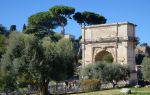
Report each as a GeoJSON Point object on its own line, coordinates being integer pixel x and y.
{"type": "Point", "coordinates": [23, 91]}
{"type": "Point", "coordinates": [115, 72]}
{"type": "Point", "coordinates": [90, 85]}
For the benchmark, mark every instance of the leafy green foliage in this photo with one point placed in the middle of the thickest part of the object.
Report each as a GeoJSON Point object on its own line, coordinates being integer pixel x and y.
{"type": "Point", "coordinates": [7, 73]}
{"type": "Point", "coordinates": [42, 23]}
{"type": "Point", "coordinates": [146, 68]}
{"type": "Point", "coordinates": [40, 33]}
{"type": "Point", "coordinates": [66, 50]}
{"type": "Point", "coordinates": [108, 58]}
{"type": "Point", "coordinates": [7, 81]}
{"type": "Point", "coordinates": [89, 18]}
{"type": "Point", "coordinates": [62, 12]}
{"type": "Point", "coordinates": [79, 17]}
{"type": "Point", "coordinates": [87, 72]}
{"type": "Point", "coordinates": [93, 18]}
{"type": "Point", "coordinates": [30, 30]}
{"type": "Point", "coordinates": [2, 45]}
{"type": "Point", "coordinates": [42, 20]}
{"type": "Point", "coordinates": [55, 36]}
{"type": "Point", "coordinates": [114, 72]}
{"type": "Point", "coordinates": [12, 28]}
{"type": "Point", "coordinates": [2, 29]}
{"type": "Point", "coordinates": [37, 60]}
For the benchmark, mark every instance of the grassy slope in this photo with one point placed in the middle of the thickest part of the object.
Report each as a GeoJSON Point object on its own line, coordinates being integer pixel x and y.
{"type": "Point", "coordinates": [137, 91]}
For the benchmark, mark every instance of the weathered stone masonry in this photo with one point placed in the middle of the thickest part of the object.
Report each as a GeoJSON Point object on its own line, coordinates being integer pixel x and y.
{"type": "Point", "coordinates": [116, 38]}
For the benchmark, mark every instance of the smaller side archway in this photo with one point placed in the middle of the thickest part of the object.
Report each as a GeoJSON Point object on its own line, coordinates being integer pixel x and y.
{"type": "Point", "coordinates": [104, 56]}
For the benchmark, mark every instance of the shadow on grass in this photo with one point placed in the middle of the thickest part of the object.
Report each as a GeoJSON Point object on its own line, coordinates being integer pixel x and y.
{"type": "Point", "coordinates": [140, 93]}
{"type": "Point", "coordinates": [114, 92]}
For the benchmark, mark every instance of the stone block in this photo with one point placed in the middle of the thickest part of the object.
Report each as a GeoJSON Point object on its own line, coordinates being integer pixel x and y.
{"type": "Point", "coordinates": [125, 90]}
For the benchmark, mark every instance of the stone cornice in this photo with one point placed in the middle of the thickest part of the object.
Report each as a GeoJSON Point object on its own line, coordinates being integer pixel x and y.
{"type": "Point", "coordinates": [112, 24]}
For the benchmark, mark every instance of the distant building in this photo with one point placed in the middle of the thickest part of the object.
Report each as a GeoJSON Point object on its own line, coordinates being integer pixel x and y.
{"type": "Point", "coordinates": [141, 51]}
{"type": "Point", "coordinates": [69, 36]}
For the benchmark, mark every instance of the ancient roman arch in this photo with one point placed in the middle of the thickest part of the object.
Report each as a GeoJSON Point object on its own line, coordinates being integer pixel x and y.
{"type": "Point", "coordinates": [116, 38]}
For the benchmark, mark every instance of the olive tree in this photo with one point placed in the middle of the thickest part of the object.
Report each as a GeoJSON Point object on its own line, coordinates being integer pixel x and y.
{"type": "Point", "coordinates": [7, 78]}
{"type": "Point", "coordinates": [107, 73]}
{"type": "Point", "coordinates": [37, 60]}
{"type": "Point", "coordinates": [8, 71]}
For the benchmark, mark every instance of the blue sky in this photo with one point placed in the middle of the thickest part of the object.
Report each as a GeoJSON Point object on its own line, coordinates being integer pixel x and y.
{"type": "Point", "coordinates": [135, 11]}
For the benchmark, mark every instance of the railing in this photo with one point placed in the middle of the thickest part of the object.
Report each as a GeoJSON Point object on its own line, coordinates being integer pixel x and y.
{"type": "Point", "coordinates": [61, 88]}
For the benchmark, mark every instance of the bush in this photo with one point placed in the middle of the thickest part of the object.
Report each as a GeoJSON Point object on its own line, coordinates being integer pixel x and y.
{"type": "Point", "coordinates": [146, 68]}
{"type": "Point", "coordinates": [90, 85]}
{"type": "Point", "coordinates": [23, 91]}
{"type": "Point", "coordinates": [115, 72]}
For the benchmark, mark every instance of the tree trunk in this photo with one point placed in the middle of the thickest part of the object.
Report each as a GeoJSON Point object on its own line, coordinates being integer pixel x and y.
{"type": "Point", "coordinates": [62, 25]}
{"type": "Point", "coordinates": [63, 29]}
{"type": "Point", "coordinates": [6, 93]}
{"type": "Point", "coordinates": [114, 84]}
{"type": "Point", "coordinates": [44, 89]}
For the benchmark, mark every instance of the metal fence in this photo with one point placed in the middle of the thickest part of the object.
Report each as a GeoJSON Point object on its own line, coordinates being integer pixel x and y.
{"type": "Point", "coordinates": [60, 88]}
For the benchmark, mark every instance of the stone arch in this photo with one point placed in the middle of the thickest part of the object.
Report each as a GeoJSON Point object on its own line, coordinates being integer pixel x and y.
{"type": "Point", "coordinates": [107, 49]}
{"type": "Point", "coordinates": [103, 56]}
{"type": "Point", "coordinates": [117, 38]}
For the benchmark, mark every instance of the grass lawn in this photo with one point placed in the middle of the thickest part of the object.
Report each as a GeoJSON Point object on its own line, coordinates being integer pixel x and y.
{"type": "Point", "coordinates": [135, 91]}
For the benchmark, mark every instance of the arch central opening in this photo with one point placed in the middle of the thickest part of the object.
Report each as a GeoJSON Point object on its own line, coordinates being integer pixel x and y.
{"type": "Point", "coordinates": [104, 56]}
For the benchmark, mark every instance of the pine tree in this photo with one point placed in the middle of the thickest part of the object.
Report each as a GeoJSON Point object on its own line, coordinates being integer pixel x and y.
{"type": "Point", "coordinates": [12, 28]}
